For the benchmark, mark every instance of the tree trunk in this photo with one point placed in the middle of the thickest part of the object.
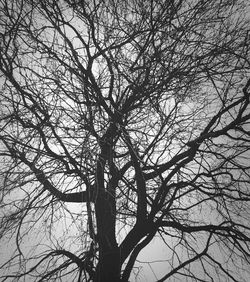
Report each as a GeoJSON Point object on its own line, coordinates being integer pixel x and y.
{"type": "Point", "coordinates": [109, 266]}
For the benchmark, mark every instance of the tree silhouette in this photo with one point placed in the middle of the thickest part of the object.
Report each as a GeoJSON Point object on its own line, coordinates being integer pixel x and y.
{"type": "Point", "coordinates": [120, 122]}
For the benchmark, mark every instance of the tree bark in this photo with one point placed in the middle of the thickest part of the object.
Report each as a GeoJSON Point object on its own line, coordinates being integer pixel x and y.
{"type": "Point", "coordinates": [109, 265]}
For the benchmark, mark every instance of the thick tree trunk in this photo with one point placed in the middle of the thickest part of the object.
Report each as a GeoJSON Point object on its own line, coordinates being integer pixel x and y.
{"type": "Point", "coordinates": [109, 268]}
{"type": "Point", "coordinates": [109, 265]}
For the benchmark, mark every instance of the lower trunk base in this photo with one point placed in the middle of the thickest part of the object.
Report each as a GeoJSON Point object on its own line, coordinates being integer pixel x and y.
{"type": "Point", "coordinates": [109, 268]}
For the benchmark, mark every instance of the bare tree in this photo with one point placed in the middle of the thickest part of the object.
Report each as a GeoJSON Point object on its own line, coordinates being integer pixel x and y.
{"type": "Point", "coordinates": [123, 121]}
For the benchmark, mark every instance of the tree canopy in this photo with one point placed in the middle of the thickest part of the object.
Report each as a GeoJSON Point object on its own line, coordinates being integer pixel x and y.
{"type": "Point", "coordinates": [124, 121]}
